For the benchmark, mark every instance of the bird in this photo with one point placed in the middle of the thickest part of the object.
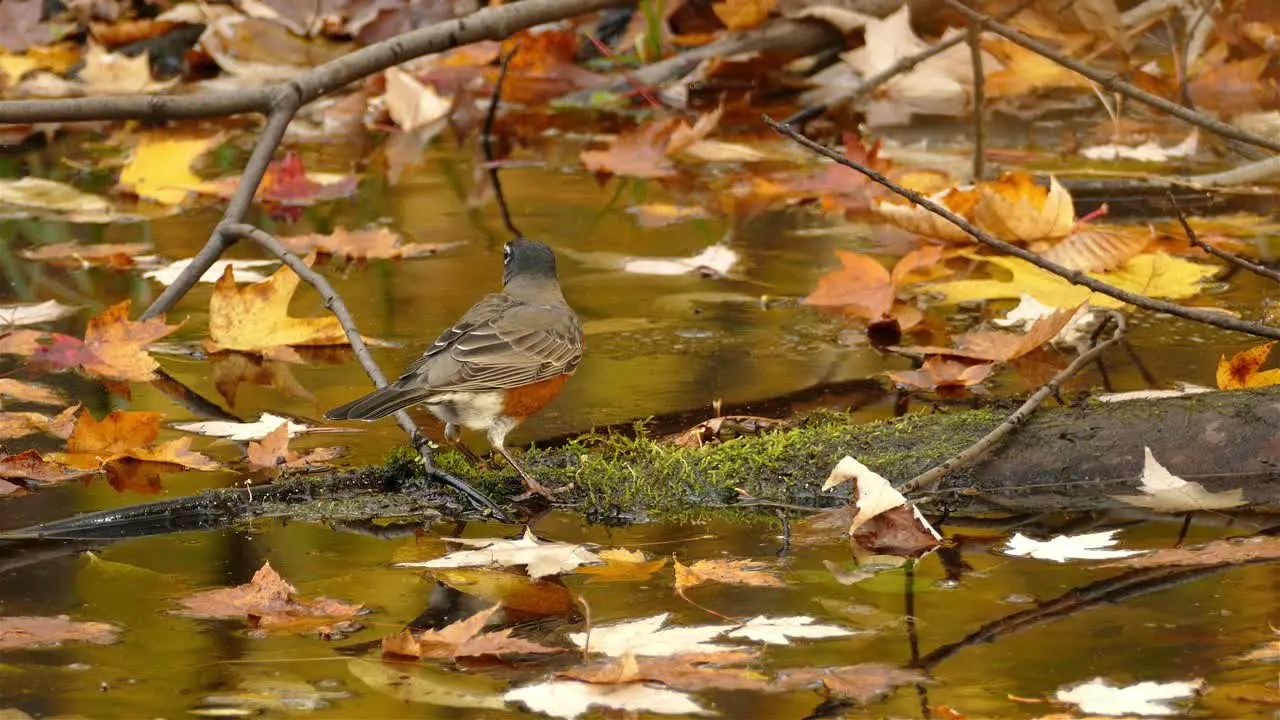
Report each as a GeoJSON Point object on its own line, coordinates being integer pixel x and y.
{"type": "Point", "coordinates": [504, 360]}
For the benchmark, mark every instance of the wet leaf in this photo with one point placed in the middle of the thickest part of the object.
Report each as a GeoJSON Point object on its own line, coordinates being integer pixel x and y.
{"type": "Point", "coordinates": [372, 244]}
{"type": "Point", "coordinates": [243, 271]}
{"type": "Point", "coordinates": [640, 153]}
{"type": "Point", "coordinates": [240, 432]}
{"type": "Point", "coordinates": [684, 672]}
{"type": "Point", "coordinates": [539, 558]}
{"type": "Point", "coordinates": [255, 318]}
{"type": "Point", "coordinates": [274, 453]}
{"type": "Point", "coordinates": [655, 215]}
{"type": "Point", "coordinates": [622, 565]}
{"type": "Point", "coordinates": [159, 169]}
{"type": "Point", "coordinates": [29, 392]}
{"type": "Point", "coordinates": [648, 637]}
{"type": "Point", "coordinates": [1217, 552]}
{"type": "Point", "coordinates": [1016, 209]}
{"type": "Point", "coordinates": [411, 104]}
{"type": "Point", "coordinates": [463, 638]}
{"type": "Point", "coordinates": [1165, 492]}
{"type": "Point", "coordinates": [287, 183]}
{"type": "Point", "coordinates": [28, 465]}
{"type": "Point", "coordinates": [998, 346]}
{"type": "Point", "coordinates": [570, 698]}
{"type": "Point", "coordinates": [729, 572]}
{"type": "Point", "coordinates": [862, 683]}
{"type": "Point", "coordinates": [20, 25]}
{"type": "Point", "coordinates": [917, 219]}
{"type": "Point", "coordinates": [1061, 548]}
{"type": "Point", "coordinates": [26, 632]}
{"type": "Point", "coordinates": [1099, 248]}
{"type": "Point", "coordinates": [113, 346]}
{"type": "Point", "coordinates": [1241, 371]}
{"type": "Point", "coordinates": [511, 588]}
{"type": "Point", "coordinates": [1146, 698]}
{"type": "Point", "coordinates": [231, 369]}
{"type": "Point", "coordinates": [108, 73]}
{"type": "Point", "coordinates": [268, 600]}
{"type": "Point", "coordinates": [742, 14]}
{"type": "Point", "coordinates": [31, 314]}
{"type": "Point", "coordinates": [715, 261]}
{"type": "Point", "coordinates": [862, 286]}
{"type": "Point", "coordinates": [1150, 151]}
{"type": "Point", "coordinates": [885, 522]}
{"type": "Point", "coordinates": [938, 373]}
{"type": "Point", "coordinates": [782, 630]}
{"type": "Point", "coordinates": [32, 193]}
{"type": "Point", "coordinates": [14, 425]}
{"type": "Point", "coordinates": [431, 686]}
{"type": "Point", "coordinates": [125, 434]}
{"type": "Point", "coordinates": [1025, 72]}
{"type": "Point", "coordinates": [74, 255]}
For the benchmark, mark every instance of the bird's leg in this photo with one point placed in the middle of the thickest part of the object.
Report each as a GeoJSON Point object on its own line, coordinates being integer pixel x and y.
{"type": "Point", "coordinates": [453, 435]}
{"type": "Point", "coordinates": [535, 487]}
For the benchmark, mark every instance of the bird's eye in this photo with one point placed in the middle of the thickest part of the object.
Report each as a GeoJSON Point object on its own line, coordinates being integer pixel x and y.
{"type": "Point", "coordinates": [506, 252]}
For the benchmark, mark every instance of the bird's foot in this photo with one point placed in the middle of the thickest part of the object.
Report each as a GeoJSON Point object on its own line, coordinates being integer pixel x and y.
{"type": "Point", "coordinates": [536, 489]}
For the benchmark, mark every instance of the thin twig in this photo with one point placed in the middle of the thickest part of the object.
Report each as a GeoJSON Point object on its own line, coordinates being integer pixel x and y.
{"type": "Point", "coordinates": [1075, 277]}
{"type": "Point", "coordinates": [486, 140]}
{"type": "Point", "coordinates": [1112, 81]}
{"type": "Point", "coordinates": [979, 104]}
{"type": "Point", "coordinates": [1229, 258]}
{"type": "Point", "coordinates": [971, 454]}
{"type": "Point", "coordinates": [333, 303]}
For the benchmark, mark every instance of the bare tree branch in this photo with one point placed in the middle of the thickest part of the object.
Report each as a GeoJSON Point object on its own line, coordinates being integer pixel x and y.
{"type": "Point", "coordinates": [1227, 257]}
{"type": "Point", "coordinates": [1075, 277]}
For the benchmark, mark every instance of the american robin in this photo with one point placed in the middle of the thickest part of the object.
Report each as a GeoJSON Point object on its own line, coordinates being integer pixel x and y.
{"type": "Point", "coordinates": [506, 359]}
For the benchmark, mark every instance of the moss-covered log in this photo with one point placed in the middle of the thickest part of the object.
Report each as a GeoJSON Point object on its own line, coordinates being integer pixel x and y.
{"type": "Point", "coordinates": [1071, 458]}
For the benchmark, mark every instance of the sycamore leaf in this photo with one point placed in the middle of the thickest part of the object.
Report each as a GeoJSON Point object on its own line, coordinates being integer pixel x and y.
{"type": "Point", "coordinates": [781, 630]}
{"type": "Point", "coordinates": [1146, 698]}
{"type": "Point", "coordinates": [1165, 492]}
{"type": "Point", "coordinates": [1061, 548]}
{"type": "Point", "coordinates": [240, 432]}
{"type": "Point", "coordinates": [159, 169]}
{"type": "Point", "coordinates": [1241, 371]}
{"type": "Point", "coordinates": [1016, 209]}
{"type": "Point", "coordinates": [729, 572]}
{"type": "Point", "coordinates": [539, 558]}
{"type": "Point", "coordinates": [647, 637]}
{"type": "Point", "coordinates": [571, 698]}
{"type": "Point", "coordinates": [256, 318]}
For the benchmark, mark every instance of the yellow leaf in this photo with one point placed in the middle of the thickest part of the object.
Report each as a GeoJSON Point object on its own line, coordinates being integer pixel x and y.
{"type": "Point", "coordinates": [1016, 209]}
{"type": "Point", "coordinates": [1241, 371]}
{"type": "Point", "coordinates": [742, 14]}
{"type": "Point", "coordinates": [1025, 71]}
{"type": "Point", "coordinates": [1152, 274]}
{"type": "Point", "coordinates": [256, 317]}
{"type": "Point", "coordinates": [160, 167]}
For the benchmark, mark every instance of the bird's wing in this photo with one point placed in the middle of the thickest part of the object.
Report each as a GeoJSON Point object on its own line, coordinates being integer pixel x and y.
{"type": "Point", "coordinates": [501, 343]}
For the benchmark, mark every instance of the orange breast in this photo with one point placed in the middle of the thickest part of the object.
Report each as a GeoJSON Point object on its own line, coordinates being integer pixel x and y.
{"type": "Point", "coordinates": [522, 402]}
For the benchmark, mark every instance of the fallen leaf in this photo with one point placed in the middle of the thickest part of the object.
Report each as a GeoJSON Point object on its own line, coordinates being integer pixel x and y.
{"type": "Point", "coordinates": [1218, 552]}
{"type": "Point", "coordinates": [715, 261]}
{"type": "Point", "coordinates": [837, 186]}
{"type": "Point", "coordinates": [255, 318]}
{"type": "Point", "coordinates": [231, 369]}
{"type": "Point", "coordinates": [267, 600]}
{"type": "Point", "coordinates": [862, 286]}
{"type": "Point", "coordinates": [655, 215]}
{"type": "Point", "coordinates": [782, 630]}
{"type": "Point", "coordinates": [33, 193]}
{"type": "Point", "coordinates": [622, 565]}
{"type": "Point", "coordinates": [1150, 151]}
{"type": "Point", "coordinates": [239, 432]}
{"type": "Point", "coordinates": [1061, 548]}
{"type": "Point", "coordinates": [33, 313]}
{"type": "Point", "coordinates": [244, 271]}
{"type": "Point", "coordinates": [918, 219]}
{"type": "Point", "coordinates": [511, 588]}
{"type": "Point", "coordinates": [1165, 492]}
{"type": "Point", "coordinates": [648, 637]}
{"type": "Point", "coordinates": [74, 255]}
{"type": "Point", "coordinates": [640, 152]}
{"type": "Point", "coordinates": [861, 683]}
{"type": "Point", "coordinates": [411, 104]}
{"type": "Point", "coordinates": [570, 698]}
{"type": "Point", "coordinates": [159, 169]}
{"type": "Point", "coordinates": [742, 14]}
{"type": "Point", "coordinates": [1025, 71]}
{"type": "Point", "coordinates": [463, 638]}
{"type": "Point", "coordinates": [28, 465]}
{"type": "Point", "coordinates": [26, 632]}
{"type": "Point", "coordinates": [539, 558]}
{"type": "Point", "coordinates": [108, 73]}
{"type": "Point", "coordinates": [999, 346]}
{"type": "Point", "coordinates": [1146, 698]}
{"type": "Point", "coordinates": [436, 687]}
{"type": "Point", "coordinates": [1099, 248]}
{"type": "Point", "coordinates": [287, 183]}
{"type": "Point", "coordinates": [1241, 371]}
{"type": "Point", "coordinates": [14, 425]}
{"type": "Point", "coordinates": [125, 434]}
{"type": "Point", "coordinates": [29, 392]}
{"type": "Point", "coordinates": [21, 26]}
{"type": "Point", "coordinates": [113, 346]}
{"type": "Point", "coordinates": [694, 672]}
{"type": "Point", "coordinates": [377, 243]}
{"type": "Point", "coordinates": [885, 521]}
{"type": "Point", "coordinates": [273, 452]}
{"type": "Point", "coordinates": [939, 373]}
{"type": "Point", "coordinates": [729, 572]}
{"type": "Point", "coordinates": [1016, 209]}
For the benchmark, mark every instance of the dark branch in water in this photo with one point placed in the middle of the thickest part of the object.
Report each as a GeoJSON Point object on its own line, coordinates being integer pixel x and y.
{"type": "Point", "coordinates": [486, 138]}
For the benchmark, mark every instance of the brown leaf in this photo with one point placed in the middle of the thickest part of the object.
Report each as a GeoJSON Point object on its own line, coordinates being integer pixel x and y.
{"type": "Point", "coordinates": [73, 254]}
{"type": "Point", "coordinates": [371, 244]}
{"type": "Point", "coordinates": [917, 219]}
{"type": "Point", "coordinates": [1000, 346]}
{"type": "Point", "coordinates": [862, 287]}
{"type": "Point", "coordinates": [641, 152]}
{"type": "Point", "coordinates": [125, 434]}
{"type": "Point", "coordinates": [1218, 552]}
{"type": "Point", "coordinates": [861, 683]}
{"type": "Point", "coordinates": [1016, 209]}
{"type": "Point", "coordinates": [21, 342]}
{"type": "Point", "coordinates": [28, 465]}
{"type": "Point", "coordinates": [692, 672]}
{"type": "Point", "coordinates": [114, 344]}
{"type": "Point", "coordinates": [14, 425]}
{"type": "Point", "coordinates": [513, 589]}
{"type": "Point", "coordinates": [939, 372]}
{"type": "Point", "coordinates": [1099, 248]}
{"type": "Point", "coordinates": [742, 14]}
{"type": "Point", "coordinates": [839, 187]}
{"type": "Point", "coordinates": [730, 572]}
{"type": "Point", "coordinates": [268, 600]}
{"type": "Point", "coordinates": [1241, 371]}
{"type": "Point", "coordinates": [29, 392]}
{"type": "Point", "coordinates": [274, 453]}
{"type": "Point", "coordinates": [24, 632]}
{"type": "Point", "coordinates": [462, 639]}
{"type": "Point", "coordinates": [255, 318]}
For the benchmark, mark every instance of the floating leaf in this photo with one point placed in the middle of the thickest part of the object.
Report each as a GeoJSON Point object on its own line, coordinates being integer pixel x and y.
{"type": "Point", "coordinates": [1061, 548]}
{"type": "Point", "coordinates": [1166, 492]}
{"type": "Point", "coordinates": [539, 558]}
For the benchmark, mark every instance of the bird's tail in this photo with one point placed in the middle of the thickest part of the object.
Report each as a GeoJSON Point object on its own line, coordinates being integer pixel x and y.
{"type": "Point", "coordinates": [379, 403]}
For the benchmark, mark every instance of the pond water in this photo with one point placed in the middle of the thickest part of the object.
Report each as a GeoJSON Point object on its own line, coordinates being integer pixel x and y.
{"type": "Point", "coordinates": [656, 345]}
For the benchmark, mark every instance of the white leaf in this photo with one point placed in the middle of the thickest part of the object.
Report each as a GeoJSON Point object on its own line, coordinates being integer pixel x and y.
{"type": "Point", "coordinates": [647, 637]}
{"type": "Point", "coordinates": [169, 273]}
{"type": "Point", "coordinates": [1060, 548]}
{"type": "Point", "coordinates": [1028, 311]}
{"type": "Point", "coordinates": [1147, 698]}
{"type": "Point", "coordinates": [47, 311]}
{"type": "Point", "coordinates": [240, 432]}
{"type": "Point", "coordinates": [1182, 389]}
{"type": "Point", "coordinates": [875, 494]}
{"type": "Point", "coordinates": [780, 630]}
{"type": "Point", "coordinates": [539, 558]}
{"type": "Point", "coordinates": [411, 104]}
{"type": "Point", "coordinates": [1149, 151]}
{"type": "Point", "coordinates": [570, 698]}
{"type": "Point", "coordinates": [718, 259]}
{"type": "Point", "coordinates": [1166, 492]}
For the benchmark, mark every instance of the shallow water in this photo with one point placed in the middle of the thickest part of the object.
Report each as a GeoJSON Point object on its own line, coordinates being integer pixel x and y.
{"type": "Point", "coordinates": [656, 345]}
